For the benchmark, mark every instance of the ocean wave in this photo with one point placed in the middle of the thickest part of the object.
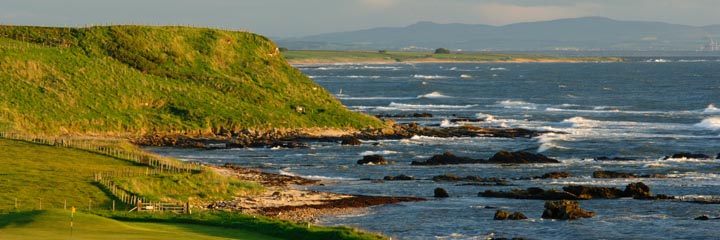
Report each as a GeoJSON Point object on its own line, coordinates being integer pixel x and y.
{"type": "Point", "coordinates": [383, 152]}
{"type": "Point", "coordinates": [498, 69]}
{"type": "Point", "coordinates": [429, 76]}
{"type": "Point", "coordinates": [361, 76]}
{"type": "Point", "coordinates": [465, 76]}
{"type": "Point", "coordinates": [712, 123]}
{"type": "Point", "coordinates": [447, 123]}
{"type": "Point", "coordinates": [381, 67]}
{"type": "Point", "coordinates": [485, 117]}
{"type": "Point", "coordinates": [711, 109]}
{"type": "Point", "coordinates": [516, 104]}
{"type": "Point", "coordinates": [428, 106]}
{"type": "Point", "coordinates": [373, 98]}
{"type": "Point", "coordinates": [433, 95]}
{"type": "Point", "coordinates": [692, 60]}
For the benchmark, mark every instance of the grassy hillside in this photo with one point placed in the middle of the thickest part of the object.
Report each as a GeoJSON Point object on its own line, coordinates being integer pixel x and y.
{"type": "Point", "coordinates": [315, 57]}
{"type": "Point", "coordinates": [38, 175]}
{"type": "Point", "coordinates": [137, 79]}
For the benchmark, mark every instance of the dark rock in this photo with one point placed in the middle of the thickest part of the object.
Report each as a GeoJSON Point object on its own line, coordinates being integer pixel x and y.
{"type": "Point", "coordinates": [530, 193]}
{"type": "Point", "coordinates": [446, 159]}
{"type": "Point", "coordinates": [565, 210]}
{"type": "Point", "coordinates": [638, 190]}
{"type": "Point", "coordinates": [520, 158]}
{"type": "Point", "coordinates": [441, 193]}
{"type": "Point", "coordinates": [501, 215]}
{"type": "Point", "coordinates": [350, 140]}
{"type": "Point", "coordinates": [688, 155]}
{"type": "Point", "coordinates": [504, 215]}
{"type": "Point", "coordinates": [594, 192]}
{"type": "Point", "coordinates": [401, 177]}
{"type": "Point", "coordinates": [718, 156]}
{"type": "Point", "coordinates": [703, 217]}
{"type": "Point", "coordinates": [555, 175]}
{"type": "Point", "coordinates": [613, 159]}
{"type": "Point", "coordinates": [474, 179]}
{"type": "Point", "coordinates": [373, 159]}
{"type": "Point", "coordinates": [465, 120]}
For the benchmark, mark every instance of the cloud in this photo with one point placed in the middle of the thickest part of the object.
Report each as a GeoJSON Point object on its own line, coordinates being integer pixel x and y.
{"type": "Point", "coordinates": [501, 14]}
{"type": "Point", "coordinates": [377, 4]}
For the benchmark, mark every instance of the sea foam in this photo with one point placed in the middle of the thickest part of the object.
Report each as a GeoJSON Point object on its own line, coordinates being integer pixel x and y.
{"type": "Point", "coordinates": [432, 95]}
{"type": "Point", "coordinates": [712, 123]}
{"type": "Point", "coordinates": [711, 109]}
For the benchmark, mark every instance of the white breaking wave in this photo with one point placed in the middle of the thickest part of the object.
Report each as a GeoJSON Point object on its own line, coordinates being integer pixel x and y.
{"type": "Point", "coordinates": [447, 123]}
{"type": "Point", "coordinates": [383, 152]}
{"type": "Point", "coordinates": [711, 109]}
{"type": "Point", "coordinates": [465, 76]}
{"type": "Point", "coordinates": [712, 123]}
{"type": "Point", "coordinates": [361, 76]}
{"type": "Point", "coordinates": [433, 95]}
{"type": "Point", "coordinates": [428, 106]}
{"type": "Point", "coordinates": [498, 69]}
{"type": "Point", "coordinates": [516, 104]}
{"type": "Point", "coordinates": [429, 76]}
{"type": "Point", "coordinates": [485, 117]}
{"type": "Point", "coordinates": [373, 98]}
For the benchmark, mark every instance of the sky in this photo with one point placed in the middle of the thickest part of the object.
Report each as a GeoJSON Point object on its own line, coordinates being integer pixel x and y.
{"type": "Point", "coordinates": [294, 18]}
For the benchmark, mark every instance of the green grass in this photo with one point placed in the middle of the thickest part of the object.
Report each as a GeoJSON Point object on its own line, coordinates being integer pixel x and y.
{"type": "Point", "coordinates": [46, 176]}
{"type": "Point", "coordinates": [55, 224]}
{"type": "Point", "coordinates": [306, 57]}
{"type": "Point", "coordinates": [139, 79]}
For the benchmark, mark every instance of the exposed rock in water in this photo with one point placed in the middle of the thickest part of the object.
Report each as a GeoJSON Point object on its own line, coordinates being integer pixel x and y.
{"type": "Point", "coordinates": [531, 193]}
{"type": "Point", "coordinates": [555, 175]}
{"type": "Point", "coordinates": [373, 159]}
{"type": "Point", "coordinates": [703, 217]}
{"type": "Point", "coordinates": [446, 159]}
{"type": "Point", "coordinates": [638, 190]}
{"type": "Point", "coordinates": [578, 192]}
{"type": "Point", "coordinates": [565, 210]}
{"type": "Point", "coordinates": [350, 140]}
{"type": "Point", "coordinates": [414, 115]}
{"type": "Point", "coordinates": [504, 215]}
{"type": "Point", "coordinates": [613, 159]}
{"type": "Point", "coordinates": [589, 192]}
{"type": "Point", "coordinates": [441, 193]}
{"type": "Point", "coordinates": [401, 177]}
{"type": "Point", "coordinates": [718, 156]}
{"type": "Point", "coordinates": [613, 174]}
{"type": "Point", "coordinates": [505, 157]}
{"type": "Point", "coordinates": [688, 155]}
{"type": "Point", "coordinates": [476, 179]}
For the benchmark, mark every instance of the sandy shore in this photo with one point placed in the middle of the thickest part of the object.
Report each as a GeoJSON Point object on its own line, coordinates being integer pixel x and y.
{"type": "Point", "coordinates": [282, 198]}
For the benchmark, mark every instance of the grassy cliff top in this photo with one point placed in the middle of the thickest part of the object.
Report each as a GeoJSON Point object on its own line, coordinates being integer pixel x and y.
{"type": "Point", "coordinates": [140, 79]}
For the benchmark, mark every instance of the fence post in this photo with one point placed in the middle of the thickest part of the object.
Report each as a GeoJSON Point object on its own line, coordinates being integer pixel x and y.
{"type": "Point", "coordinates": [65, 205]}
{"type": "Point", "coordinates": [16, 204]}
{"type": "Point", "coordinates": [89, 204]}
{"type": "Point", "coordinates": [113, 209]}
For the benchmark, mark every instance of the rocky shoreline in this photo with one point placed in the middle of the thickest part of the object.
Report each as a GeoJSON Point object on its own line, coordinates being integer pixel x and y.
{"type": "Point", "coordinates": [283, 200]}
{"type": "Point", "coordinates": [296, 138]}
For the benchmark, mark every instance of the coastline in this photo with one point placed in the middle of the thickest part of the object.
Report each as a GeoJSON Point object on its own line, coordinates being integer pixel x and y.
{"type": "Point", "coordinates": [300, 62]}
{"type": "Point", "coordinates": [284, 200]}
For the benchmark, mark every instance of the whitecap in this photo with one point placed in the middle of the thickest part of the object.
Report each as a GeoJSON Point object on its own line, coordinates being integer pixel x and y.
{"type": "Point", "coordinates": [498, 69]}
{"type": "Point", "coordinates": [711, 109]}
{"type": "Point", "coordinates": [433, 95]}
{"type": "Point", "coordinates": [516, 104]}
{"type": "Point", "coordinates": [287, 172]}
{"type": "Point", "coordinates": [465, 76]}
{"type": "Point", "coordinates": [428, 106]}
{"type": "Point", "coordinates": [429, 76]}
{"type": "Point", "coordinates": [361, 76]}
{"type": "Point", "coordinates": [485, 117]}
{"type": "Point", "coordinates": [712, 123]}
{"type": "Point", "coordinates": [383, 152]}
{"type": "Point", "coordinates": [447, 123]}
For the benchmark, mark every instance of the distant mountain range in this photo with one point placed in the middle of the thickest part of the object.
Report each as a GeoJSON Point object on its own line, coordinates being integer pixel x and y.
{"type": "Point", "coordinates": [586, 33]}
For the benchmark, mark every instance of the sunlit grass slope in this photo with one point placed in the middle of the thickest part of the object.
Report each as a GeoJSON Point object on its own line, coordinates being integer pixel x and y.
{"type": "Point", "coordinates": [139, 79]}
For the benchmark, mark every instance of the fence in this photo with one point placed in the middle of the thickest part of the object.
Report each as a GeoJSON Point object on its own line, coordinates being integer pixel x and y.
{"type": "Point", "coordinates": [139, 204]}
{"type": "Point", "coordinates": [112, 151]}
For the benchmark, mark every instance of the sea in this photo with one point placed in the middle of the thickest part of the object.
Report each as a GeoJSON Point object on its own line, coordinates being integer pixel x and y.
{"type": "Point", "coordinates": [644, 109]}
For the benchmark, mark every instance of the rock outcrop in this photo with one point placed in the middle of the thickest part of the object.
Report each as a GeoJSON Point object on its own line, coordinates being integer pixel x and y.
{"type": "Point", "coordinates": [447, 158]}
{"type": "Point", "coordinates": [373, 159]}
{"type": "Point", "coordinates": [565, 210]}
{"type": "Point", "coordinates": [441, 193]}
{"type": "Point", "coordinates": [504, 157]}
{"type": "Point", "coordinates": [504, 215]}
{"type": "Point", "coordinates": [555, 175]}
{"type": "Point", "coordinates": [401, 177]}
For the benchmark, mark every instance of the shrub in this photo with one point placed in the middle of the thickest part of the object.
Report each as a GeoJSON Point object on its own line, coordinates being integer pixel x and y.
{"type": "Point", "coordinates": [442, 51]}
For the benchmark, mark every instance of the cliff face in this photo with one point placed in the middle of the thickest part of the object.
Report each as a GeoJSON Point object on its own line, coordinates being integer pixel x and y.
{"type": "Point", "coordinates": [139, 79]}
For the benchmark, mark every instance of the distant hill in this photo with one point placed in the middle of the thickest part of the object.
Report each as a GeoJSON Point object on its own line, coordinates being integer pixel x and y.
{"type": "Point", "coordinates": [139, 79]}
{"type": "Point", "coordinates": [587, 33]}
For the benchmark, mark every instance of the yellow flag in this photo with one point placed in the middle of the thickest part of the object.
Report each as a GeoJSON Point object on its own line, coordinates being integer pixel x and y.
{"type": "Point", "coordinates": [73, 209]}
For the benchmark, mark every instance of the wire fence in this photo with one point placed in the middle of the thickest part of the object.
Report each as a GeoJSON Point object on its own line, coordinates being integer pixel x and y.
{"type": "Point", "coordinates": [139, 204]}
{"type": "Point", "coordinates": [92, 145]}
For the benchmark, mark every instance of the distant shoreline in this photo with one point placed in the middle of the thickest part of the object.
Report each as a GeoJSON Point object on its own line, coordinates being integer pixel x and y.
{"type": "Point", "coordinates": [365, 57]}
